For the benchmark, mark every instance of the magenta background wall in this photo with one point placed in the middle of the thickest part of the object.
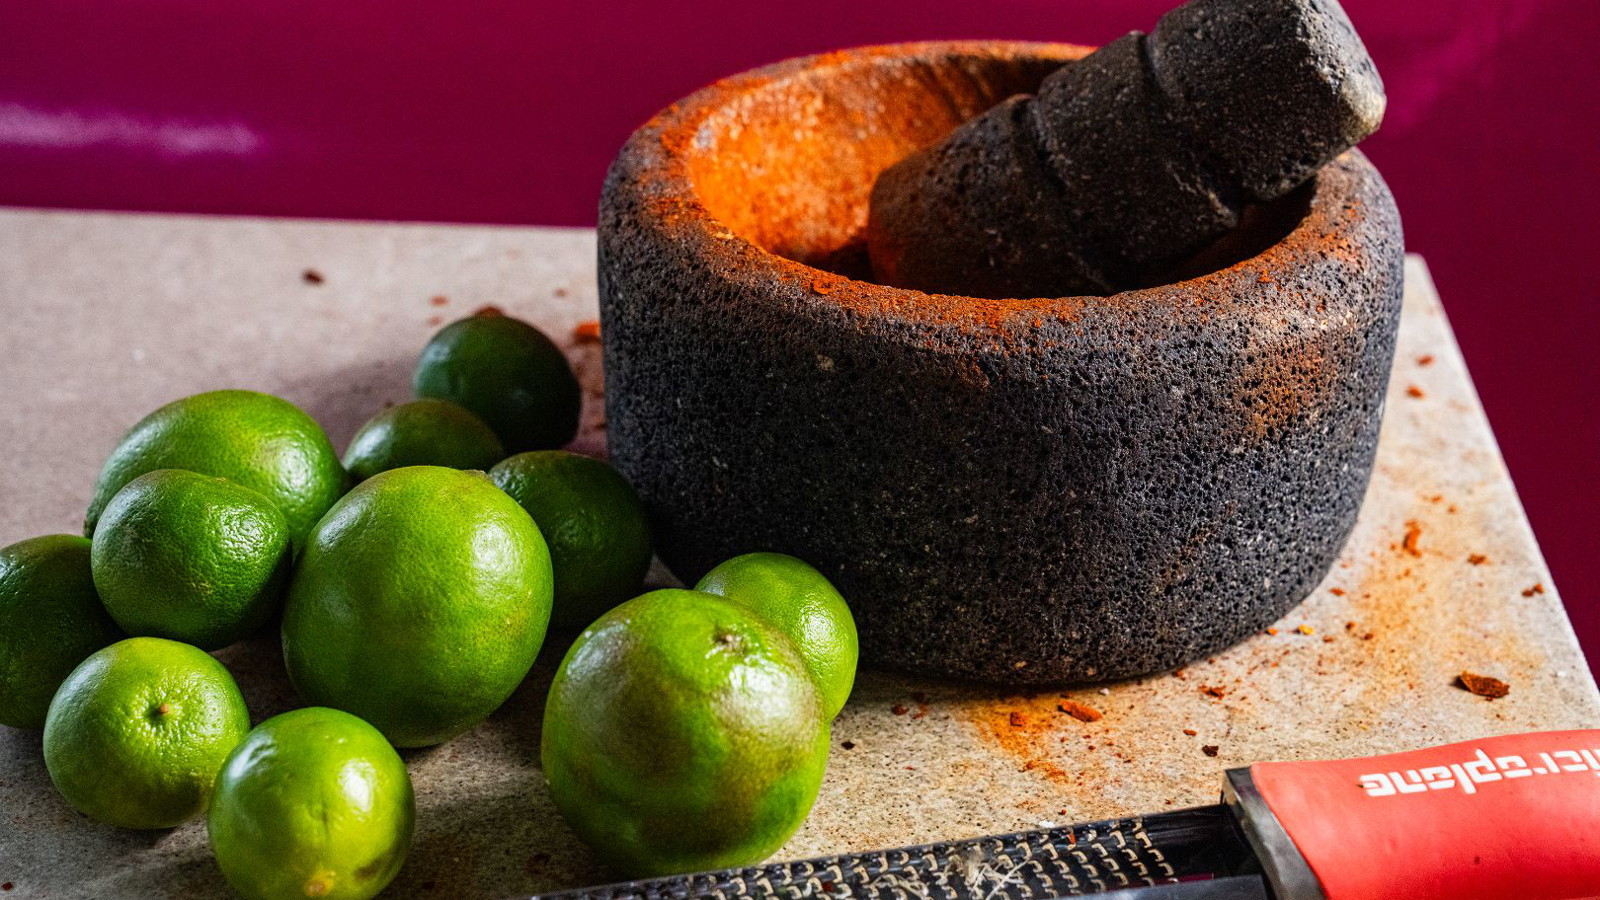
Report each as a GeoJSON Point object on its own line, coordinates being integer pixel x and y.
{"type": "Point", "coordinates": [509, 110]}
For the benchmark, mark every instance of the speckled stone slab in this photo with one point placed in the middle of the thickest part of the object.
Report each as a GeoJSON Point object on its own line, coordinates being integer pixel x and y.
{"type": "Point", "coordinates": [108, 316]}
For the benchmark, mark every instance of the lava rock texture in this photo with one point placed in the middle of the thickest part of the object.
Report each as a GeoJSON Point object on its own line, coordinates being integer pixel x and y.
{"type": "Point", "coordinates": [1046, 490]}
{"type": "Point", "coordinates": [1132, 159]}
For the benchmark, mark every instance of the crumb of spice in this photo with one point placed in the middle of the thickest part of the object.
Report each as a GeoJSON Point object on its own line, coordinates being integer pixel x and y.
{"type": "Point", "coordinates": [311, 276]}
{"type": "Point", "coordinates": [1327, 639]}
{"type": "Point", "coordinates": [1538, 588]}
{"type": "Point", "coordinates": [1272, 631]}
{"type": "Point", "coordinates": [1413, 535]}
{"type": "Point", "coordinates": [1483, 685]}
{"type": "Point", "coordinates": [1080, 711]}
{"type": "Point", "coordinates": [1190, 732]}
{"type": "Point", "coordinates": [1477, 559]}
{"type": "Point", "coordinates": [489, 309]}
{"type": "Point", "coordinates": [587, 332]}
{"type": "Point", "coordinates": [1425, 359]}
{"type": "Point", "coordinates": [439, 300]}
{"type": "Point", "coordinates": [1017, 720]}
{"type": "Point", "coordinates": [560, 292]}
{"type": "Point", "coordinates": [6, 887]}
{"type": "Point", "coordinates": [1305, 629]}
{"type": "Point", "coordinates": [1337, 592]}
{"type": "Point", "coordinates": [899, 709]}
{"type": "Point", "coordinates": [848, 745]}
{"type": "Point", "coordinates": [1215, 693]}
{"type": "Point", "coordinates": [434, 321]}
{"type": "Point", "coordinates": [1210, 749]}
{"type": "Point", "coordinates": [1416, 392]}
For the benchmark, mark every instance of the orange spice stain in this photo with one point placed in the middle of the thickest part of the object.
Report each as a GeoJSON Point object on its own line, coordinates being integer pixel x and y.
{"type": "Point", "coordinates": [745, 161]}
{"type": "Point", "coordinates": [1413, 535]}
{"type": "Point", "coordinates": [1040, 732]}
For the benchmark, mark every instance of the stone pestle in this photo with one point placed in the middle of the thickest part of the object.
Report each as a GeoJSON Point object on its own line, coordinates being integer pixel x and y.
{"type": "Point", "coordinates": [1132, 159]}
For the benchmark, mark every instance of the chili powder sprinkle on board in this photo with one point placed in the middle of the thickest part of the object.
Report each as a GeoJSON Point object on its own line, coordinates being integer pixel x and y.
{"type": "Point", "coordinates": [1080, 711]}
{"type": "Point", "coordinates": [1413, 535]}
{"type": "Point", "coordinates": [1483, 685]}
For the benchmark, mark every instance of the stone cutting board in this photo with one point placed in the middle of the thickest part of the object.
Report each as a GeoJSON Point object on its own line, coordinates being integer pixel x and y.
{"type": "Point", "coordinates": [106, 316]}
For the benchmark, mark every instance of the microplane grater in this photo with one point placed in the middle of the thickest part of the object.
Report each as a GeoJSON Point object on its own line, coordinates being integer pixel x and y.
{"type": "Point", "coordinates": [1515, 817]}
{"type": "Point", "coordinates": [1072, 861]}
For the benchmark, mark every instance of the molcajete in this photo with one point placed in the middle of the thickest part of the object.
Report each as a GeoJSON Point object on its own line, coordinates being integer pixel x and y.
{"type": "Point", "coordinates": [1024, 490]}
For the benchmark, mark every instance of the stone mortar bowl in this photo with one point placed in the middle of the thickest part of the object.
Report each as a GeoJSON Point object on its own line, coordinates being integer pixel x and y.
{"type": "Point", "coordinates": [1035, 490]}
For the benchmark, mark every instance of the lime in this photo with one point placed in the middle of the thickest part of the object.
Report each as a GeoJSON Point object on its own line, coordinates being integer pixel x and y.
{"type": "Point", "coordinates": [804, 605]}
{"type": "Point", "coordinates": [313, 803]}
{"type": "Point", "coordinates": [262, 442]}
{"type": "Point", "coordinates": [137, 732]}
{"type": "Point", "coordinates": [419, 603]}
{"type": "Point", "coordinates": [50, 619]}
{"type": "Point", "coordinates": [190, 557]}
{"type": "Point", "coordinates": [423, 432]}
{"type": "Point", "coordinates": [509, 373]}
{"type": "Point", "coordinates": [682, 732]}
{"type": "Point", "coordinates": [594, 522]}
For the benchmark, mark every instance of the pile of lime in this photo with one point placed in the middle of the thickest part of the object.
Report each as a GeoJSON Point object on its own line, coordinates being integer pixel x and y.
{"type": "Point", "coordinates": [411, 584]}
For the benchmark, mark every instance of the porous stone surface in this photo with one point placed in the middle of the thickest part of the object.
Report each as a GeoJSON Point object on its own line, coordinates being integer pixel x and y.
{"type": "Point", "coordinates": [1029, 490]}
{"type": "Point", "coordinates": [1142, 189]}
{"type": "Point", "coordinates": [1017, 228]}
{"type": "Point", "coordinates": [1134, 158]}
{"type": "Point", "coordinates": [1276, 88]}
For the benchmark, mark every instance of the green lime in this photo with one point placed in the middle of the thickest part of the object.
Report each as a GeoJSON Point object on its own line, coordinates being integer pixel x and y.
{"type": "Point", "coordinates": [509, 373]}
{"type": "Point", "coordinates": [137, 732]}
{"type": "Point", "coordinates": [682, 732]}
{"type": "Point", "coordinates": [313, 803]}
{"type": "Point", "coordinates": [423, 432]}
{"type": "Point", "coordinates": [804, 605]}
{"type": "Point", "coordinates": [263, 442]}
{"type": "Point", "coordinates": [419, 603]}
{"type": "Point", "coordinates": [594, 522]}
{"type": "Point", "coordinates": [189, 557]}
{"type": "Point", "coordinates": [50, 619]}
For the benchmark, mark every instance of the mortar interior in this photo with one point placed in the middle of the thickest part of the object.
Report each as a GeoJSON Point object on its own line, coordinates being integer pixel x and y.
{"type": "Point", "coordinates": [788, 163]}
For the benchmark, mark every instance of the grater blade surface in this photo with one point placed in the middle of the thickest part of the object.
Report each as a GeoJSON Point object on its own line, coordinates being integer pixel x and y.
{"type": "Point", "coordinates": [1070, 861]}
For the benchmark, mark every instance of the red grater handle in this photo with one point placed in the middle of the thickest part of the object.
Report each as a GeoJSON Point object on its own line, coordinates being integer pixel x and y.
{"type": "Point", "coordinates": [1504, 818]}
